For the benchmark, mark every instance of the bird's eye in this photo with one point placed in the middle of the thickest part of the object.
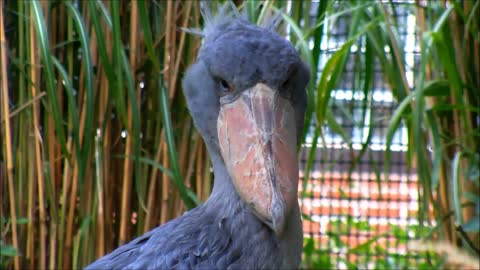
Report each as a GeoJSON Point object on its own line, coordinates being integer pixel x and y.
{"type": "Point", "coordinates": [285, 89]}
{"type": "Point", "coordinates": [226, 87]}
{"type": "Point", "coordinates": [285, 84]}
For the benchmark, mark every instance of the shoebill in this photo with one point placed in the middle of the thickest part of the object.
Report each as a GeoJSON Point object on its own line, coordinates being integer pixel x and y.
{"type": "Point", "coordinates": [246, 94]}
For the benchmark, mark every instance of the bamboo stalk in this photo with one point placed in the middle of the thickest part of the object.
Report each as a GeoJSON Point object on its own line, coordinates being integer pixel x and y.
{"type": "Point", "coordinates": [179, 55]}
{"type": "Point", "coordinates": [178, 204]}
{"type": "Point", "coordinates": [60, 36]}
{"type": "Point", "coordinates": [164, 216]}
{"type": "Point", "coordinates": [168, 44]}
{"type": "Point", "coordinates": [199, 175]}
{"type": "Point", "coordinates": [107, 148]}
{"type": "Point", "coordinates": [102, 173]}
{"type": "Point", "coordinates": [8, 139]}
{"type": "Point", "coordinates": [443, 195]}
{"type": "Point", "coordinates": [191, 161]}
{"type": "Point", "coordinates": [51, 140]}
{"type": "Point", "coordinates": [126, 186]}
{"type": "Point", "coordinates": [182, 156]}
{"type": "Point", "coordinates": [71, 219]}
{"type": "Point", "coordinates": [66, 181]}
{"type": "Point", "coordinates": [149, 217]}
{"type": "Point", "coordinates": [31, 208]}
{"type": "Point", "coordinates": [172, 47]}
{"type": "Point", "coordinates": [100, 238]}
{"type": "Point", "coordinates": [127, 176]}
{"type": "Point", "coordinates": [52, 245]}
{"type": "Point", "coordinates": [52, 153]}
{"type": "Point", "coordinates": [65, 172]}
{"type": "Point", "coordinates": [31, 235]}
{"type": "Point", "coordinates": [165, 186]}
{"type": "Point", "coordinates": [21, 160]}
{"type": "Point", "coordinates": [73, 180]}
{"type": "Point", "coordinates": [74, 195]}
{"type": "Point", "coordinates": [461, 41]}
{"type": "Point", "coordinates": [207, 175]}
{"type": "Point", "coordinates": [37, 149]}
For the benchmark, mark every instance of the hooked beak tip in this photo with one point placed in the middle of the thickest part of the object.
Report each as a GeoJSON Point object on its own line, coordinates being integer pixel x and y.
{"type": "Point", "coordinates": [278, 218]}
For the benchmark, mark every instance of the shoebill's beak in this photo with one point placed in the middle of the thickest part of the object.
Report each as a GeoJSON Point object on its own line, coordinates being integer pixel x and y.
{"type": "Point", "coordinates": [258, 139]}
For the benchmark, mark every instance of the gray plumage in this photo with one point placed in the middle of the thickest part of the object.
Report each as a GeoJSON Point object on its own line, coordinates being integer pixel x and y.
{"type": "Point", "coordinates": [224, 233]}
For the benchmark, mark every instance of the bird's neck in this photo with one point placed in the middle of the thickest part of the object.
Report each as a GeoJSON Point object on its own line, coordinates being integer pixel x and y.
{"type": "Point", "coordinates": [222, 180]}
{"type": "Point", "coordinates": [223, 189]}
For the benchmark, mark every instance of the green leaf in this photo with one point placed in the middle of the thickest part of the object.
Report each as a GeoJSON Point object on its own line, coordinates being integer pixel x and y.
{"type": "Point", "coordinates": [150, 162]}
{"type": "Point", "coordinates": [367, 245]}
{"type": "Point", "coordinates": [323, 262]}
{"type": "Point", "coordinates": [472, 197]}
{"type": "Point", "coordinates": [188, 197]}
{"type": "Point", "coordinates": [437, 148]}
{"type": "Point", "coordinates": [309, 246]}
{"type": "Point", "coordinates": [20, 220]}
{"type": "Point", "coordinates": [437, 88]}
{"type": "Point", "coordinates": [147, 32]}
{"type": "Point", "coordinates": [134, 127]}
{"type": "Point", "coordinates": [473, 172]}
{"type": "Point", "coordinates": [473, 225]}
{"type": "Point", "coordinates": [72, 105]}
{"type": "Point", "coordinates": [46, 55]}
{"type": "Point", "coordinates": [102, 47]}
{"type": "Point", "coordinates": [117, 92]}
{"type": "Point", "coordinates": [335, 127]}
{"type": "Point", "coordinates": [456, 197]}
{"type": "Point", "coordinates": [306, 217]}
{"type": "Point", "coordinates": [84, 38]}
{"type": "Point", "coordinates": [8, 251]}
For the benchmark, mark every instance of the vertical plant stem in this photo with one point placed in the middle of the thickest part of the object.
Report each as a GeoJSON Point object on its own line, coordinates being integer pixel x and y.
{"type": "Point", "coordinates": [168, 44]}
{"type": "Point", "coordinates": [182, 164]}
{"type": "Point", "coordinates": [449, 230]}
{"type": "Point", "coordinates": [127, 176]}
{"type": "Point", "coordinates": [179, 55]}
{"type": "Point", "coordinates": [100, 237]}
{"type": "Point", "coordinates": [152, 189]}
{"type": "Point", "coordinates": [199, 175]}
{"type": "Point", "coordinates": [37, 140]}
{"type": "Point", "coordinates": [31, 254]}
{"type": "Point", "coordinates": [165, 186]}
{"type": "Point", "coordinates": [127, 184]}
{"type": "Point", "coordinates": [207, 175]}
{"type": "Point", "coordinates": [102, 148]}
{"type": "Point", "coordinates": [195, 147]}
{"type": "Point", "coordinates": [70, 192]}
{"type": "Point", "coordinates": [31, 235]}
{"type": "Point", "coordinates": [66, 181]}
{"type": "Point", "coordinates": [396, 50]}
{"type": "Point", "coordinates": [7, 135]}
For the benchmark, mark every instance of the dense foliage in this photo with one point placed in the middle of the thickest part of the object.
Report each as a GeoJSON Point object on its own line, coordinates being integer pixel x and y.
{"type": "Point", "coordinates": [97, 145]}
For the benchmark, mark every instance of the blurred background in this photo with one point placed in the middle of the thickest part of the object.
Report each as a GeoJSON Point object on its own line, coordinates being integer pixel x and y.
{"type": "Point", "coordinates": [98, 147]}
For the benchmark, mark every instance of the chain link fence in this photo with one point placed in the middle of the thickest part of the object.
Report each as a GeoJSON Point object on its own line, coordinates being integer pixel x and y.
{"type": "Point", "coordinates": [354, 213]}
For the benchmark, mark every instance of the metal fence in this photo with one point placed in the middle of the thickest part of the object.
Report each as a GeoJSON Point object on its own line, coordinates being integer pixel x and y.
{"type": "Point", "coordinates": [356, 216]}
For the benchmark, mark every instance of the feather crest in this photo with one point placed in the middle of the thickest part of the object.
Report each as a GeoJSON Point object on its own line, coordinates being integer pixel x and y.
{"type": "Point", "coordinates": [227, 13]}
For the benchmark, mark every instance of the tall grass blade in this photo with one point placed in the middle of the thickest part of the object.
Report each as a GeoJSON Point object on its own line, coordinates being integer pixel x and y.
{"type": "Point", "coordinates": [188, 197]}
{"type": "Point", "coordinates": [42, 36]}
